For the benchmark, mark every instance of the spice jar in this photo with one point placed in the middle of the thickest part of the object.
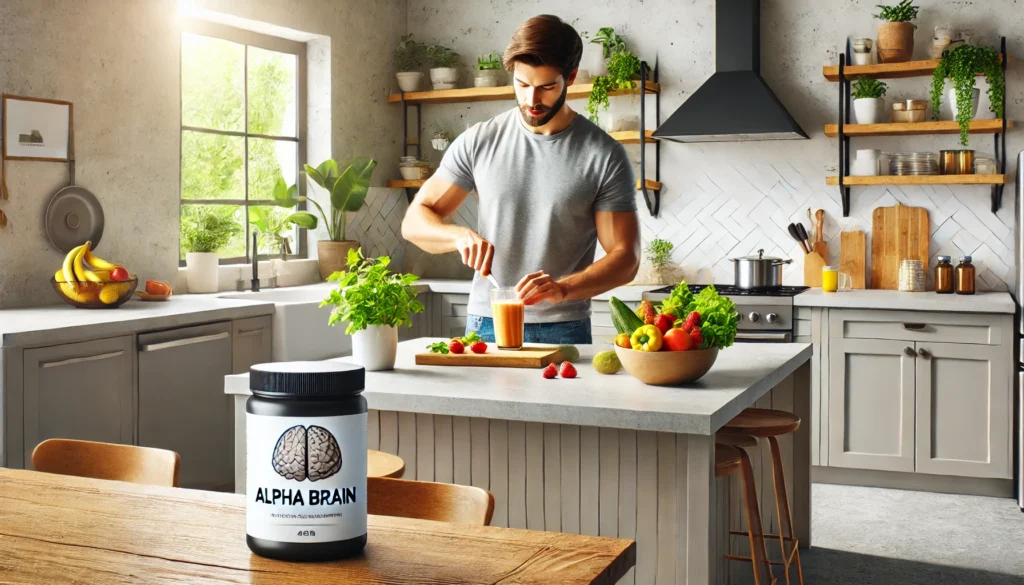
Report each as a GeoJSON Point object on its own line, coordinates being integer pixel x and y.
{"type": "Point", "coordinates": [965, 276]}
{"type": "Point", "coordinates": [944, 276]}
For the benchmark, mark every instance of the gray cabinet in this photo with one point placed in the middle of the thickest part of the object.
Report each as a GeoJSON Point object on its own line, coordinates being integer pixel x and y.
{"type": "Point", "coordinates": [182, 405]}
{"type": "Point", "coordinates": [79, 391]}
{"type": "Point", "coordinates": [450, 314]}
{"type": "Point", "coordinates": [251, 343]}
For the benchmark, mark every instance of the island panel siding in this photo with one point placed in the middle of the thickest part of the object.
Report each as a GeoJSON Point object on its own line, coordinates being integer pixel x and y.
{"type": "Point", "coordinates": [480, 452]}
{"type": "Point", "coordinates": [373, 429]}
{"type": "Point", "coordinates": [576, 479]}
{"type": "Point", "coordinates": [425, 447]}
{"type": "Point", "coordinates": [407, 441]}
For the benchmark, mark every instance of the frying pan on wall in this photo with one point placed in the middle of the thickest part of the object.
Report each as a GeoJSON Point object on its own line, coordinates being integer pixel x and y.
{"type": "Point", "coordinates": [74, 215]}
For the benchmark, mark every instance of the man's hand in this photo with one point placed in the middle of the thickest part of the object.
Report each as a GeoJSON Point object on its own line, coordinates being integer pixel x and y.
{"type": "Point", "coordinates": [539, 286]}
{"type": "Point", "coordinates": [476, 252]}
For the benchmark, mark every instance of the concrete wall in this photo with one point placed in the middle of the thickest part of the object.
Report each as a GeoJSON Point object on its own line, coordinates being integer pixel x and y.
{"type": "Point", "coordinates": [726, 200]}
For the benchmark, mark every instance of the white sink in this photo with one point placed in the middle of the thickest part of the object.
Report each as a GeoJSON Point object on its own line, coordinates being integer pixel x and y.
{"type": "Point", "coordinates": [300, 324]}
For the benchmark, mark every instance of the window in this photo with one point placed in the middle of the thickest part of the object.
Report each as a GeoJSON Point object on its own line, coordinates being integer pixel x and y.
{"type": "Point", "coordinates": [242, 120]}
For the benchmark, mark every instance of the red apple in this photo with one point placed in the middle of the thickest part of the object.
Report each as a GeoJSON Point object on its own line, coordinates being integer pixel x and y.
{"type": "Point", "coordinates": [120, 274]}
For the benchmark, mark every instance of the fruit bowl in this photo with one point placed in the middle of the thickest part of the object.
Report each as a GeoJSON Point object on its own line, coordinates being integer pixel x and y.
{"type": "Point", "coordinates": [667, 368]}
{"type": "Point", "coordinates": [95, 295]}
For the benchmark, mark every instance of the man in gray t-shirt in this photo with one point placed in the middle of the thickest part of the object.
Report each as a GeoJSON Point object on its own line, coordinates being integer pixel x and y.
{"type": "Point", "coordinates": [551, 186]}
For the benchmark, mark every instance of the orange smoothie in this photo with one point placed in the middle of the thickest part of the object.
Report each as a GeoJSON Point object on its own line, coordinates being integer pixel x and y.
{"type": "Point", "coordinates": [508, 323]}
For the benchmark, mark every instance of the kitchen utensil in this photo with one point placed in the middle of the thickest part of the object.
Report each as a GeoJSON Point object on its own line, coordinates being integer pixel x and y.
{"type": "Point", "coordinates": [494, 283]}
{"type": "Point", "coordinates": [750, 272]}
{"type": "Point", "coordinates": [810, 222]}
{"type": "Point", "coordinates": [819, 245]}
{"type": "Point", "coordinates": [796, 236]}
{"type": "Point", "coordinates": [911, 276]}
{"type": "Point", "coordinates": [897, 233]}
{"type": "Point", "coordinates": [813, 264]}
{"type": "Point", "coordinates": [94, 295]}
{"type": "Point", "coordinates": [667, 368]}
{"type": "Point", "coordinates": [802, 232]}
{"type": "Point", "coordinates": [852, 252]}
{"type": "Point", "coordinates": [529, 356]}
{"type": "Point", "coordinates": [73, 216]}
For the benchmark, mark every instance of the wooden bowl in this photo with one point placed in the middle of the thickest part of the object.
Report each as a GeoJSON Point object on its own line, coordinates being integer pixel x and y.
{"type": "Point", "coordinates": [667, 368]}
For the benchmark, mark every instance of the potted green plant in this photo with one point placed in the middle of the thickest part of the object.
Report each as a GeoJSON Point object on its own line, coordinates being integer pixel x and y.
{"type": "Point", "coordinates": [444, 64]}
{"type": "Point", "coordinates": [347, 184]}
{"type": "Point", "coordinates": [204, 231]}
{"type": "Point", "coordinates": [868, 100]}
{"type": "Point", "coordinates": [374, 302]}
{"type": "Point", "coordinates": [961, 65]}
{"type": "Point", "coordinates": [660, 267]}
{"type": "Point", "coordinates": [896, 34]}
{"type": "Point", "coordinates": [442, 139]}
{"type": "Point", "coordinates": [409, 56]}
{"type": "Point", "coordinates": [623, 68]}
{"type": "Point", "coordinates": [488, 71]}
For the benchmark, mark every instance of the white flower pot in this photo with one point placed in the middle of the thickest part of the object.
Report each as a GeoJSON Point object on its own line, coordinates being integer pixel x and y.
{"type": "Point", "coordinates": [488, 78]}
{"type": "Point", "coordinates": [375, 347]}
{"type": "Point", "coordinates": [593, 60]}
{"type": "Point", "coordinates": [869, 110]}
{"type": "Point", "coordinates": [201, 272]}
{"type": "Point", "coordinates": [440, 143]}
{"type": "Point", "coordinates": [444, 77]}
{"type": "Point", "coordinates": [951, 96]}
{"type": "Point", "coordinates": [409, 80]}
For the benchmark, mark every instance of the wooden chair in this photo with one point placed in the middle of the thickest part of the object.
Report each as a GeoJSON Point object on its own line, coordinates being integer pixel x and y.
{"type": "Point", "coordinates": [427, 500]}
{"type": "Point", "coordinates": [107, 461]}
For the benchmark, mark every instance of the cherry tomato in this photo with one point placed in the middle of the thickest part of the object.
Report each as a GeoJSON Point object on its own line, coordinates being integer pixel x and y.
{"type": "Point", "coordinates": [120, 274]}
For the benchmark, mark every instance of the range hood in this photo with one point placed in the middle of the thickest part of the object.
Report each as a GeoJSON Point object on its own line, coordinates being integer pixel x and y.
{"type": "Point", "coordinates": [735, 103]}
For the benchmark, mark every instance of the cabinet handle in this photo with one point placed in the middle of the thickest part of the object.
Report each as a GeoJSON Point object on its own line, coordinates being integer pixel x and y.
{"type": "Point", "coordinates": [81, 360]}
{"type": "Point", "coordinates": [914, 326]}
{"type": "Point", "coordinates": [924, 353]}
{"type": "Point", "coordinates": [183, 342]}
{"type": "Point", "coordinates": [909, 351]}
{"type": "Point", "coordinates": [249, 332]}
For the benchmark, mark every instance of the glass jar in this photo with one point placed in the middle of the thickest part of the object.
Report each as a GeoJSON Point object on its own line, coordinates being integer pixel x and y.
{"type": "Point", "coordinates": [984, 165]}
{"type": "Point", "coordinates": [944, 276]}
{"type": "Point", "coordinates": [965, 276]}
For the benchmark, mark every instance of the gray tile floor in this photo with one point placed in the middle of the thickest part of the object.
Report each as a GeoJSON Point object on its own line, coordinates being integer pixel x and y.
{"type": "Point", "coordinates": [870, 536]}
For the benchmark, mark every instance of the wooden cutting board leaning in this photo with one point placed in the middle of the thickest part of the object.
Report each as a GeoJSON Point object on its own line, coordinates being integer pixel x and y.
{"type": "Point", "coordinates": [897, 233]}
{"type": "Point", "coordinates": [853, 256]}
{"type": "Point", "coordinates": [527, 357]}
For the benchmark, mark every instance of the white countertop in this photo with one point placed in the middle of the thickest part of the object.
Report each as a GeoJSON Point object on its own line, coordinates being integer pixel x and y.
{"type": "Point", "coordinates": [742, 374]}
{"type": "Point", "coordinates": [982, 302]}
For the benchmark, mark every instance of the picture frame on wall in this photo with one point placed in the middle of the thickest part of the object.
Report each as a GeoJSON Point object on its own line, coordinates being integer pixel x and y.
{"type": "Point", "coordinates": [36, 129]}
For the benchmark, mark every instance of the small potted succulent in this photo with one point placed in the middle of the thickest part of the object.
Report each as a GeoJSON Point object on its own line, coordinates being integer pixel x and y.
{"type": "Point", "coordinates": [410, 56]}
{"type": "Point", "coordinates": [488, 71]}
{"type": "Point", "coordinates": [204, 232]}
{"type": "Point", "coordinates": [868, 100]}
{"type": "Point", "coordinates": [961, 64]}
{"type": "Point", "coordinates": [444, 67]}
{"type": "Point", "coordinates": [374, 302]}
{"type": "Point", "coordinates": [896, 34]}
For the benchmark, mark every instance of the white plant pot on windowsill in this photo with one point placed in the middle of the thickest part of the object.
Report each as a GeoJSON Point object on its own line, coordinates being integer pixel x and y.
{"type": "Point", "coordinates": [444, 77]}
{"type": "Point", "coordinates": [869, 110]}
{"type": "Point", "coordinates": [375, 347]}
{"type": "Point", "coordinates": [201, 272]}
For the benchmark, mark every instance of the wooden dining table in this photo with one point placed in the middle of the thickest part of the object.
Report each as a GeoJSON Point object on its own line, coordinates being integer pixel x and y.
{"type": "Point", "coordinates": [62, 529]}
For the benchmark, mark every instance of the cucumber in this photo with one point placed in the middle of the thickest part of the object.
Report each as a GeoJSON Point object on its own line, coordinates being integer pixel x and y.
{"type": "Point", "coordinates": [624, 319]}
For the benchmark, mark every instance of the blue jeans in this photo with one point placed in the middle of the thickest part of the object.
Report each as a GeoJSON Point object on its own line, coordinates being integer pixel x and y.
{"type": "Point", "coordinates": [563, 333]}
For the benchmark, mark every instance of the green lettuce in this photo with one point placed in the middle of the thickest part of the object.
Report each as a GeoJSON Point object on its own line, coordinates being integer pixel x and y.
{"type": "Point", "coordinates": [717, 313]}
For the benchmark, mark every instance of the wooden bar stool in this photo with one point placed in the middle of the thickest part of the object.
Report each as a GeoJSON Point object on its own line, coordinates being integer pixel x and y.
{"type": "Point", "coordinates": [769, 424]}
{"type": "Point", "coordinates": [381, 464]}
{"type": "Point", "coordinates": [729, 460]}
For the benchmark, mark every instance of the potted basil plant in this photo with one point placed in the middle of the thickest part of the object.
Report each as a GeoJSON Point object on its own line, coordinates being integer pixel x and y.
{"type": "Point", "coordinates": [374, 302]}
{"type": "Point", "coordinates": [203, 233]}
{"type": "Point", "coordinates": [869, 100]}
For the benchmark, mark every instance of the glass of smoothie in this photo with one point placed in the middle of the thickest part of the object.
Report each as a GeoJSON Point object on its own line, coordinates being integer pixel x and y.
{"type": "Point", "coordinates": [508, 313]}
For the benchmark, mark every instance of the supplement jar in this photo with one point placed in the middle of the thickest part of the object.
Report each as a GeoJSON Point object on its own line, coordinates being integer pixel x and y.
{"type": "Point", "coordinates": [306, 461]}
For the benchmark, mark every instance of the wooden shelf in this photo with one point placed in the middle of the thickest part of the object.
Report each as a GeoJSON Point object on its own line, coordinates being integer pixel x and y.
{"type": "Point", "coordinates": [398, 184]}
{"type": "Point", "coordinates": [633, 136]}
{"type": "Point", "coordinates": [919, 180]}
{"type": "Point", "coordinates": [651, 185]}
{"type": "Point", "coordinates": [884, 70]}
{"type": "Point", "coordinates": [914, 128]}
{"type": "Point", "coordinates": [488, 94]}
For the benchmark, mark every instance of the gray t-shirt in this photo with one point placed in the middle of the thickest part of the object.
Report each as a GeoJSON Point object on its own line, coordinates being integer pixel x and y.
{"type": "Point", "coordinates": [538, 195]}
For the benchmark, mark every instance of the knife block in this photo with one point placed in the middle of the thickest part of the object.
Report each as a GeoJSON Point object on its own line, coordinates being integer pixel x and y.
{"type": "Point", "coordinates": [813, 263]}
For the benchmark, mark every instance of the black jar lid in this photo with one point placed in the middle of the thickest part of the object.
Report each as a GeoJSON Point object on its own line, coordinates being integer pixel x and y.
{"type": "Point", "coordinates": [329, 379]}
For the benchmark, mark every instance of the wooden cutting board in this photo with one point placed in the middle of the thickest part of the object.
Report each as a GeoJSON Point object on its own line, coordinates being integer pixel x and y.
{"type": "Point", "coordinates": [527, 357]}
{"type": "Point", "coordinates": [852, 256]}
{"type": "Point", "coordinates": [897, 233]}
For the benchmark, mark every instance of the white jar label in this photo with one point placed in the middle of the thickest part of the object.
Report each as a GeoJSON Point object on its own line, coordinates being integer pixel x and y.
{"type": "Point", "coordinates": [305, 477]}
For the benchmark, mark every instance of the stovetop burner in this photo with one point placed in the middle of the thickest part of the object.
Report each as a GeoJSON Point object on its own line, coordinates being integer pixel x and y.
{"type": "Point", "coordinates": [732, 291]}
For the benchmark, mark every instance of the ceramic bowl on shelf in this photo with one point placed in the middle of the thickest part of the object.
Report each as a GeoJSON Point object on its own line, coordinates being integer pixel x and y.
{"type": "Point", "coordinates": [667, 368]}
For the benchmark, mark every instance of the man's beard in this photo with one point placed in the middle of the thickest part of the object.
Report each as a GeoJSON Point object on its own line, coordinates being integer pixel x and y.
{"type": "Point", "coordinates": [538, 121]}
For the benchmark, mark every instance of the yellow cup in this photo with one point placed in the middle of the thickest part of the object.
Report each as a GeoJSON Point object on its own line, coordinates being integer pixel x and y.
{"type": "Point", "coordinates": [829, 278]}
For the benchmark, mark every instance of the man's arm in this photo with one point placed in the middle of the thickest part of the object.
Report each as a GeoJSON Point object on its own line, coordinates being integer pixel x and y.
{"type": "Point", "coordinates": [424, 225]}
{"type": "Point", "coordinates": [619, 235]}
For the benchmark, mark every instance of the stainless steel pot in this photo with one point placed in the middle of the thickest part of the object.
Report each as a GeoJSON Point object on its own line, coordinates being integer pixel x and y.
{"type": "Point", "coordinates": [751, 272]}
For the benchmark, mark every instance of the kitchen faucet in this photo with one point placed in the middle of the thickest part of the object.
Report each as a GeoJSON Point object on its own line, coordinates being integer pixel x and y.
{"type": "Point", "coordinates": [255, 262]}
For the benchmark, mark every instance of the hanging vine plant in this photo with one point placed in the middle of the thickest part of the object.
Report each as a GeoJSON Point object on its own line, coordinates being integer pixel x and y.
{"type": "Point", "coordinates": [623, 68]}
{"type": "Point", "coordinates": [961, 65]}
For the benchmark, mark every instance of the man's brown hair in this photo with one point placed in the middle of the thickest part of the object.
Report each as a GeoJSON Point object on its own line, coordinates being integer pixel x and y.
{"type": "Point", "coordinates": [544, 40]}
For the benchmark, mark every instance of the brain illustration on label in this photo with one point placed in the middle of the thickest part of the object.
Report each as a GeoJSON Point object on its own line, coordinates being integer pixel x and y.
{"type": "Point", "coordinates": [307, 452]}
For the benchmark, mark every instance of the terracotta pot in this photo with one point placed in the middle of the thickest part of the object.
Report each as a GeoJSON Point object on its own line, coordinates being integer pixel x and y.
{"type": "Point", "coordinates": [895, 42]}
{"type": "Point", "coordinates": [333, 256]}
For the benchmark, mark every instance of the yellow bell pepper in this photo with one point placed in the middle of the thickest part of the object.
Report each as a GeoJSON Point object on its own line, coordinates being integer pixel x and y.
{"type": "Point", "coordinates": [646, 338]}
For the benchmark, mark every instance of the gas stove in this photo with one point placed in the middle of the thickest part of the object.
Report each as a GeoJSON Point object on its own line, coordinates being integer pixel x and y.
{"type": "Point", "coordinates": [766, 315]}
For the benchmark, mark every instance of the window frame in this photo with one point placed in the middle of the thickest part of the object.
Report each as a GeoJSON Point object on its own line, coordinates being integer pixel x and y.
{"type": "Point", "coordinates": [277, 44]}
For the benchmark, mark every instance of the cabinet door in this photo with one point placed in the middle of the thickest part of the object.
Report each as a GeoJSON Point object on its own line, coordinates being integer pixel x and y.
{"type": "Point", "coordinates": [964, 410]}
{"type": "Point", "coordinates": [79, 391]}
{"type": "Point", "coordinates": [182, 405]}
{"type": "Point", "coordinates": [452, 327]}
{"type": "Point", "coordinates": [871, 404]}
{"type": "Point", "coordinates": [250, 343]}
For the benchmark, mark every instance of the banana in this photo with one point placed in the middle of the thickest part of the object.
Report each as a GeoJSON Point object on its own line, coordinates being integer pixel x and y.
{"type": "Point", "coordinates": [59, 276]}
{"type": "Point", "coordinates": [97, 275]}
{"type": "Point", "coordinates": [79, 263]}
{"type": "Point", "coordinates": [68, 268]}
{"type": "Point", "coordinates": [98, 263]}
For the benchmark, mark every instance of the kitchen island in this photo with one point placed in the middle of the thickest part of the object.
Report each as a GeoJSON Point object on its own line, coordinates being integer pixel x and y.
{"type": "Point", "coordinates": [596, 455]}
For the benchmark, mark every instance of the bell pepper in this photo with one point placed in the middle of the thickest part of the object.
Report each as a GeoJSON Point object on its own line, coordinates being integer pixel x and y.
{"type": "Point", "coordinates": [646, 338]}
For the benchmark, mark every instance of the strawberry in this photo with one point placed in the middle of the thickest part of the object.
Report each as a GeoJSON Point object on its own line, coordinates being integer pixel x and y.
{"type": "Point", "coordinates": [692, 320]}
{"type": "Point", "coordinates": [696, 337]}
{"type": "Point", "coordinates": [478, 347]}
{"type": "Point", "coordinates": [567, 370]}
{"type": "Point", "coordinates": [646, 312]}
{"type": "Point", "coordinates": [664, 322]}
{"type": "Point", "coordinates": [550, 372]}
{"type": "Point", "coordinates": [455, 346]}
